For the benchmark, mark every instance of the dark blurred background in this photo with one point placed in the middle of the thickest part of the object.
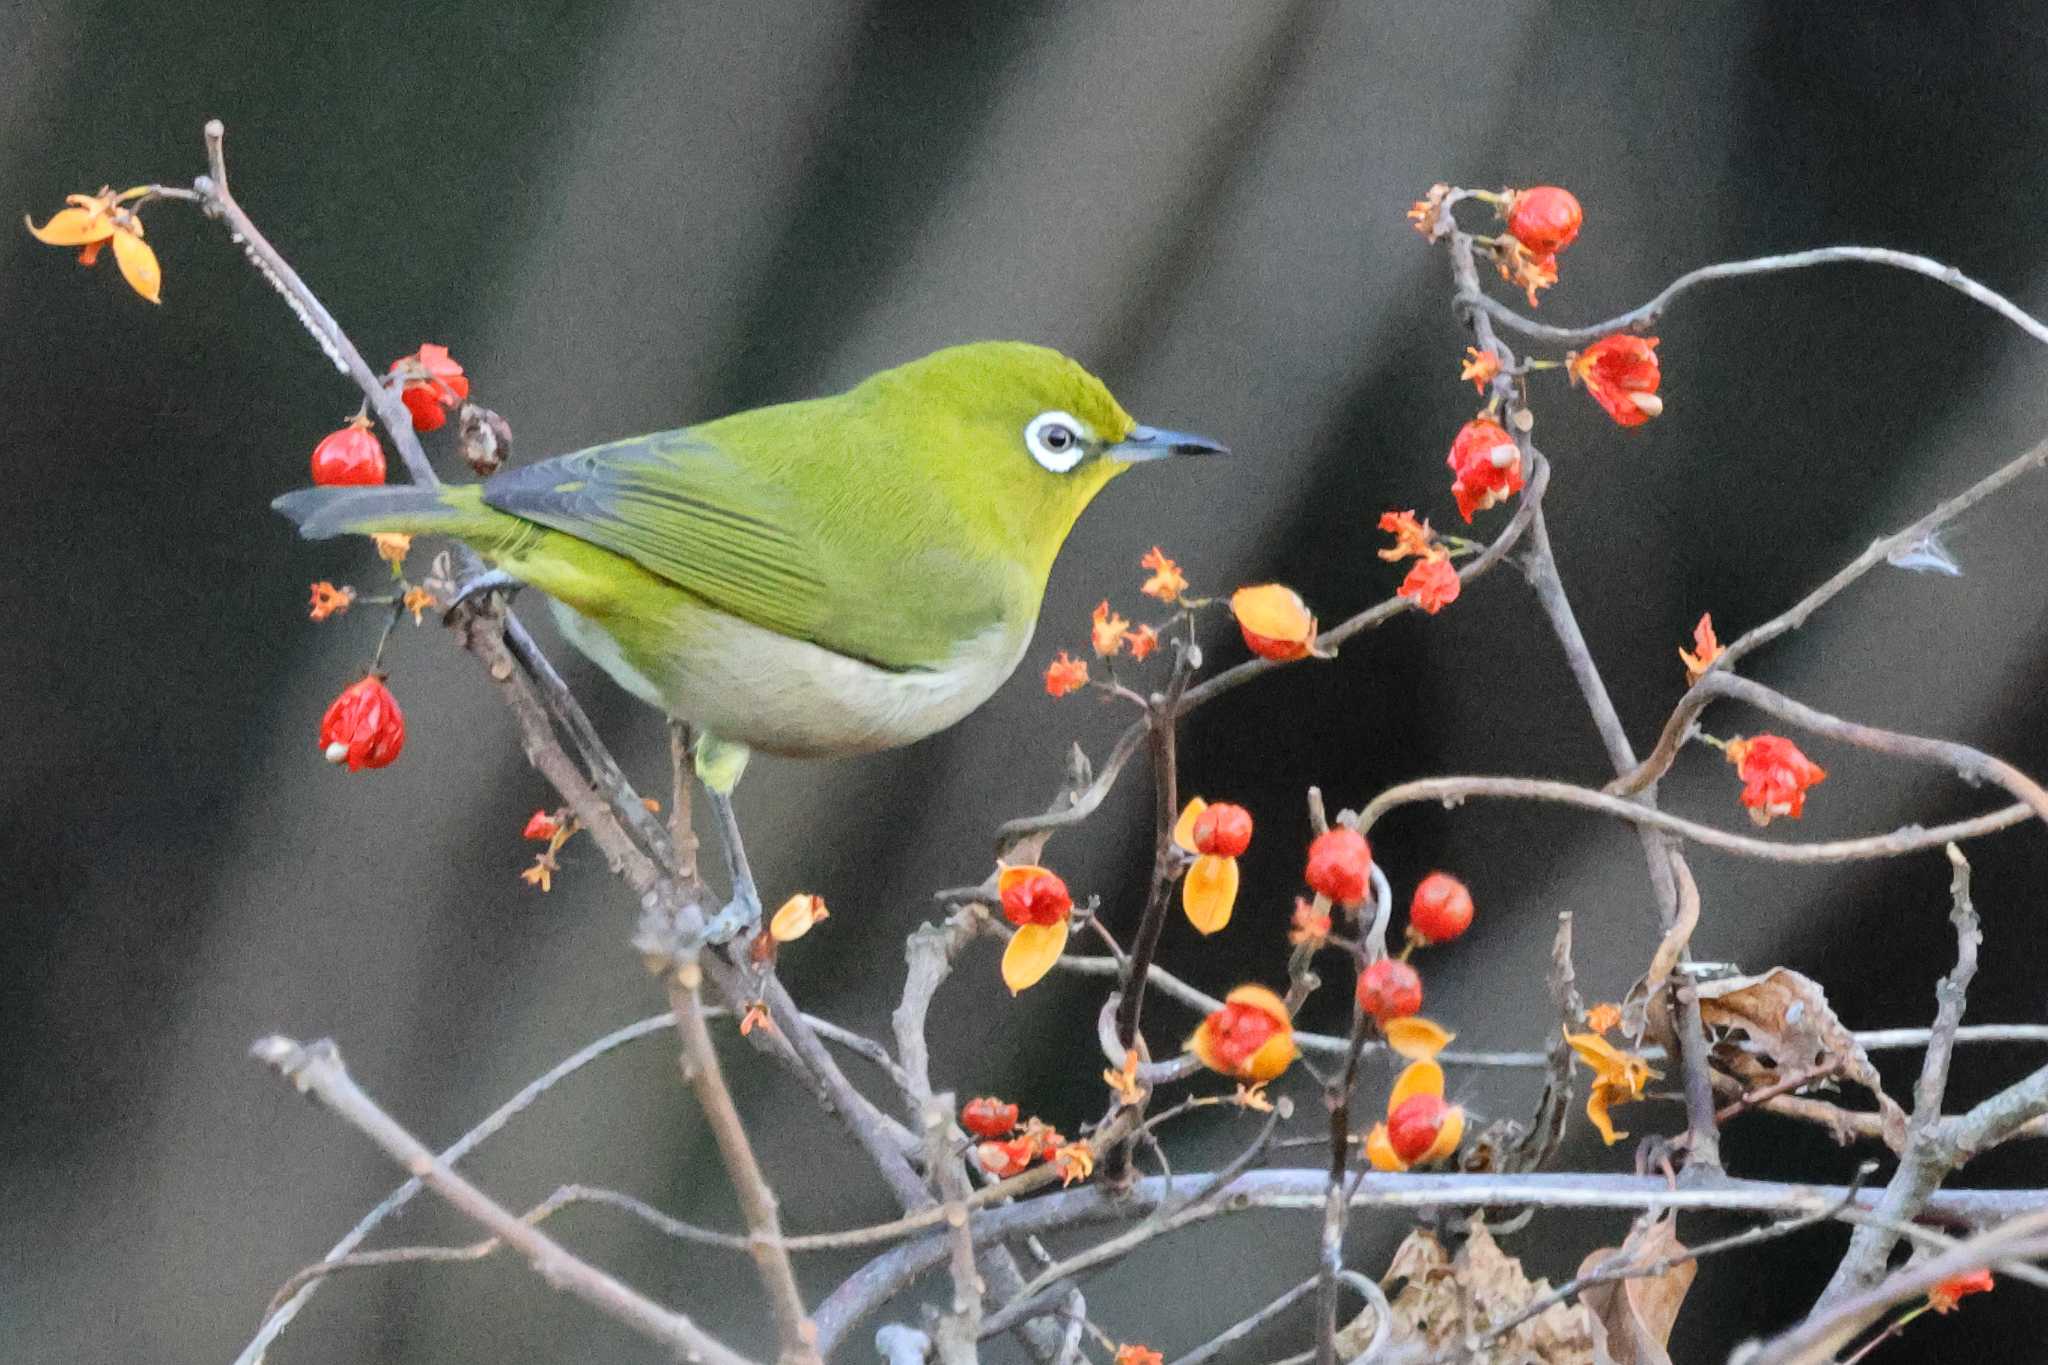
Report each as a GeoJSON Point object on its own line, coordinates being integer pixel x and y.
{"type": "Point", "coordinates": [629, 215]}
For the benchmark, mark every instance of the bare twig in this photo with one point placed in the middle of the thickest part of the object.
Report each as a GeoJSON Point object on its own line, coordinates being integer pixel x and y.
{"type": "Point", "coordinates": [539, 1213]}
{"type": "Point", "coordinates": [959, 1331]}
{"type": "Point", "coordinates": [1669, 876]}
{"type": "Point", "coordinates": [1336, 1209]}
{"type": "Point", "coordinates": [1162, 720]}
{"type": "Point", "coordinates": [1831, 1328]}
{"type": "Point", "coordinates": [1169, 1218]}
{"type": "Point", "coordinates": [1215, 1346]}
{"type": "Point", "coordinates": [1873, 1040]}
{"type": "Point", "coordinates": [1070, 812]}
{"type": "Point", "coordinates": [1539, 1143]}
{"type": "Point", "coordinates": [1926, 1160]}
{"type": "Point", "coordinates": [317, 1071]}
{"type": "Point", "coordinates": [793, 1329]}
{"type": "Point", "coordinates": [1452, 791]}
{"type": "Point", "coordinates": [1972, 765]}
{"type": "Point", "coordinates": [1642, 315]}
{"type": "Point", "coordinates": [282, 1314]}
{"type": "Point", "coordinates": [1784, 1085]}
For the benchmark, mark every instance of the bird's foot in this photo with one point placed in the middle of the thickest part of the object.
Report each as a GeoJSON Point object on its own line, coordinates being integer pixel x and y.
{"type": "Point", "coordinates": [495, 580]}
{"type": "Point", "coordinates": [742, 914]}
{"type": "Point", "coordinates": [740, 917]}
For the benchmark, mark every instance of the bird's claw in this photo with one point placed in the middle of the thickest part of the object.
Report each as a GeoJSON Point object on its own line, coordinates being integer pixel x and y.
{"type": "Point", "coordinates": [740, 917]}
{"type": "Point", "coordinates": [467, 594]}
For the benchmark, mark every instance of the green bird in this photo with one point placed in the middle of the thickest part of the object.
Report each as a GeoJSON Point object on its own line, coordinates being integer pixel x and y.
{"type": "Point", "coordinates": [814, 579]}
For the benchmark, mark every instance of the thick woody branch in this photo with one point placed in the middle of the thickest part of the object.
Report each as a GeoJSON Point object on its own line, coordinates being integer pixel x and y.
{"type": "Point", "coordinates": [317, 1071]}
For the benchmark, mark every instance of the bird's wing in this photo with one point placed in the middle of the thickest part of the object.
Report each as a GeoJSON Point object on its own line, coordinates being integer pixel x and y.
{"type": "Point", "coordinates": [685, 511]}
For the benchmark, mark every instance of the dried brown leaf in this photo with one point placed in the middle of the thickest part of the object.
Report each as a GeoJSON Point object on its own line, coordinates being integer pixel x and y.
{"type": "Point", "coordinates": [1446, 1295]}
{"type": "Point", "coordinates": [1636, 1315]}
{"type": "Point", "coordinates": [1780, 1024]}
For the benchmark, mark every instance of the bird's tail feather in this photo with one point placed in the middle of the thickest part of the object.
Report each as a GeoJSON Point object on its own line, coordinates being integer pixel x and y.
{"type": "Point", "coordinates": [324, 512]}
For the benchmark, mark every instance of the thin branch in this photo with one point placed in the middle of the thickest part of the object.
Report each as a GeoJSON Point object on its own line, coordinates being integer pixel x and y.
{"type": "Point", "coordinates": [1215, 1346]}
{"type": "Point", "coordinates": [282, 1314]}
{"type": "Point", "coordinates": [1166, 862]}
{"type": "Point", "coordinates": [1927, 1160]}
{"type": "Point", "coordinates": [1784, 1085]}
{"type": "Point", "coordinates": [1828, 1330]}
{"type": "Point", "coordinates": [1452, 791]}
{"type": "Point", "coordinates": [793, 1329]}
{"type": "Point", "coordinates": [1170, 1217]}
{"type": "Point", "coordinates": [1642, 315]}
{"type": "Point", "coordinates": [1972, 765]}
{"type": "Point", "coordinates": [1336, 1209]}
{"type": "Point", "coordinates": [1878, 552]}
{"type": "Point", "coordinates": [317, 1070]}
{"type": "Point", "coordinates": [959, 1330]}
{"type": "Point", "coordinates": [1072, 811]}
{"type": "Point", "coordinates": [1873, 1040]}
{"type": "Point", "coordinates": [539, 1213]}
{"type": "Point", "coordinates": [928, 956]}
{"type": "Point", "coordinates": [1669, 876]}
{"type": "Point", "coordinates": [1303, 1189]}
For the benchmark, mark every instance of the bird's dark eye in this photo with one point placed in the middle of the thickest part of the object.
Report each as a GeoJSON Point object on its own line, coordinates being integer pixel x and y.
{"type": "Point", "coordinates": [1055, 441]}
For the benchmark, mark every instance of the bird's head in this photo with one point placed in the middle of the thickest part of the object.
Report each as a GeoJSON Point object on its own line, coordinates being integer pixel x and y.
{"type": "Point", "coordinates": [1018, 437]}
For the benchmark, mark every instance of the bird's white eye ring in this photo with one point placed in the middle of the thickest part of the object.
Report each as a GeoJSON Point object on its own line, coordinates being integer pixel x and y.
{"type": "Point", "coordinates": [1054, 440]}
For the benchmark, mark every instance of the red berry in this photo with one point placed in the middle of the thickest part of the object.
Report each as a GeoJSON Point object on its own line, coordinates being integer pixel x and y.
{"type": "Point", "coordinates": [541, 827]}
{"type": "Point", "coordinates": [1034, 896]}
{"type": "Point", "coordinates": [434, 382]}
{"type": "Point", "coordinates": [1224, 830]}
{"type": "Point", "coordinates": [988, 1117]}
{"type": "Point", "coordinates": [1621, 372]}
{"type": "Point", "coordinates": [1005, 1159]}
{"type": "Point", "coordinates": [1238, 1031]}
{"type": "Point", "coordinates": [1390, 989]}
{"type": "Point", "coordinates": [351, 455]}
{"type": "Point", "coordinates": [1414, 1124]}
{"type": "Point", "coordinates": [364, 727]}
{"type": "Point", "coordinates": [1485, 465]}
{"type": "Point", "coordinates": [1544, 219]}
{"type": "Point", "coordinates": [1441, 910]}
{"type": "Point", "coordinates": [425, 407]}
{"type": "Point", "coordinates": [1339, 865]}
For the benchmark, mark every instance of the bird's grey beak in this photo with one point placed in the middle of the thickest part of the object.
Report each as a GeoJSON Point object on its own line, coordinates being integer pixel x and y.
{"type": "Point", "coordinates": [1153, 443]}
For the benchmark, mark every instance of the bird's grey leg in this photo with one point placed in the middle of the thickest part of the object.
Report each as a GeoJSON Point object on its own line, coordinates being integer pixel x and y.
{"type": "Point", "coordinates": [742, 914]}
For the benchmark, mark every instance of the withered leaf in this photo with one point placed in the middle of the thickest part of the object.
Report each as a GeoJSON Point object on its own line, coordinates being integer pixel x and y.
{"type": "Point", "coordinates": [1780, 1024]}
{"type": "Point", "coordinates": [1478, 1287]}
{"type": "Point", "coordinates": [1635, 1316]}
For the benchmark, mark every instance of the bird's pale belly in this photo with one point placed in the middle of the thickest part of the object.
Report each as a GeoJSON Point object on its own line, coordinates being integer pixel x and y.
{"type": "Point", "coordinates": [784, 696]}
